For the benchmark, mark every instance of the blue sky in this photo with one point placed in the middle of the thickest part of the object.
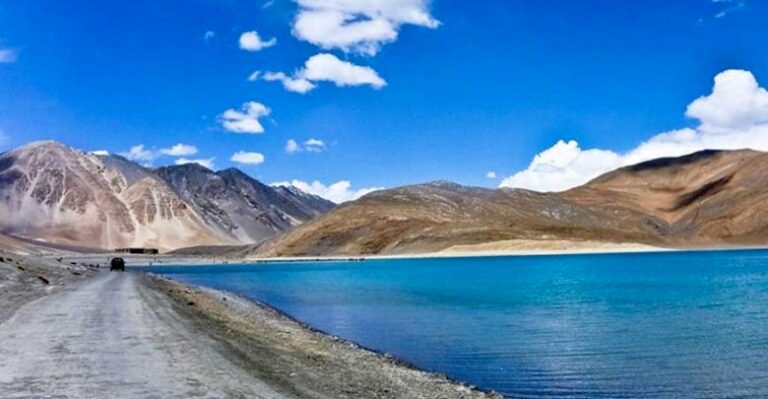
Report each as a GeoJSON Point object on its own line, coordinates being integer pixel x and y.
{"type": "Point", "coordinates": [465, 88]}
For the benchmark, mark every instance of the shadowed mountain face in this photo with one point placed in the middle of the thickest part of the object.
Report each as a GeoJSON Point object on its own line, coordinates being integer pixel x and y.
{"type": "Point", "coordinates": [50, 192]}
{"type": "Point", "coordinates": [707, 198]}
{"type": "Point", "coordinates": [239, 206]}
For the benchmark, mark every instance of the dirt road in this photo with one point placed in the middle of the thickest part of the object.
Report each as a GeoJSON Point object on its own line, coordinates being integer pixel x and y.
{"type": "Point", "coordinates": [113, 337]}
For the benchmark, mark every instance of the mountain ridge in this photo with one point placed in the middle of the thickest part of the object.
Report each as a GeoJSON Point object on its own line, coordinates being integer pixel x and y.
{"type": "Point", "coordinates": [50, 192]}
{"type": "Point", "coordinates": [53, 192]}
{"type": "Point", "coordinates": [704, 199]}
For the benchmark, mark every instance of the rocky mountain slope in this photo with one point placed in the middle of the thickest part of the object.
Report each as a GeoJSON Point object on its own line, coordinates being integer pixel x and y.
{"type": "Point", "coordinates": [53, 193]}
{"type": "Point", "coordinates": [704, 199]}
{"type": "Point", "coordinates": [239, 206]}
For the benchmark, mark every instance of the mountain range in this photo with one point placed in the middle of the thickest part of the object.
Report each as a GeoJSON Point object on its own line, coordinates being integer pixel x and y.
{"type": "Point", "coordinates": [706, 199]}
{"type": "Point", "coordinates": [52, 193]}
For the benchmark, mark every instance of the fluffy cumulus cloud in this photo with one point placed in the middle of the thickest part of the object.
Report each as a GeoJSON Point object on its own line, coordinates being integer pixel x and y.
{"type": "Point", "coordinates": [311, 145]}
{"type": "Point", "coordinates": [246, 119]}
{"type": "Point", "coordinates": [327, 68]}
{"type": "Point", "coordinates": [247, 158]}
{"type": "Point", "coordinates": [490, 175]}
{"type": "Point", "coordinates": [733, 116]}
{"type": "Point", "coordinates": [8, 56]}
{"type": "Point", "coordinates": [360, 26]}
{"type": "Point", "coordinates": [338, 192]}
{"type": "Point", "coordinates": [207, 162]}
{"type": "Point", "coordinates": [252, 41]}
{"type": "Point", "coordinates": [179, 150]}
{"type": "Point", "coordinates": [737, 102]}
{"type": "Point", "coordinates": [563, 166]}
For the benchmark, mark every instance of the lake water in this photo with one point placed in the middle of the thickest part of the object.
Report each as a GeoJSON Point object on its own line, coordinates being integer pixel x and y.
{"type": "Point", "coordinates": [688, 324]}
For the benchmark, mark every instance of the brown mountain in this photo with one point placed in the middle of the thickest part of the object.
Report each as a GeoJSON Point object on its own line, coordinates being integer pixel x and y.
{"type": "Point", "coordinates": [703, 199]}
{"type": "Point", "coordinates": [53, 193]}
{"type": "Point", "coordinates": [710, 198]}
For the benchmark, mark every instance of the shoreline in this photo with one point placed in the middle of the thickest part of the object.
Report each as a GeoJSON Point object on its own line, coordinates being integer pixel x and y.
{"type": "Point", "coordinates": [263, 346]}
{"type": "Point", "coordinates": [272, 347]}
{"type": "Point", "coordinates": [334, 367]}
{"type": "Point", "coordinates": [202, 260]}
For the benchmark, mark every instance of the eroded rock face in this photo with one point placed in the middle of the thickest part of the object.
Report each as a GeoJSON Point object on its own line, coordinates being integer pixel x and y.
{"type": "Point", "coordinates": [55, 193]}
{"type": "Point", "coordinates": [239, 206]}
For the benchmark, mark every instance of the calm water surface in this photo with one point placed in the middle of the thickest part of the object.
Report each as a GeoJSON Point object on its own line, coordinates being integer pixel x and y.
{"type": "Point", "coordinates": [689, 324]}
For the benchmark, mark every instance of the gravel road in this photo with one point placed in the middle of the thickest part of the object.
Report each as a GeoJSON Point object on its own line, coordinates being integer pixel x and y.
{"type": "Point", "coordinates": [113, 337]}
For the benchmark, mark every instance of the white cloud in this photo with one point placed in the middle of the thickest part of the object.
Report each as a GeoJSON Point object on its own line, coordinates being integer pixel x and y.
{"type": "Point", "coordinates": [207, 163]}
{"type": "Point", "coordinates": [179, 150]}
{"type": "Point", "coordinates": [338, 192]}
{"type": "Point", "coordinates": [100, 152]}
{"type": "Point", "coordinates": [245, 120]}
{"type": "Point", "coordinates": [563, 166]}
{"type": "Point", "coordinates": [254, 76]}
{"type": "Point", "coordinates": [734, 116]}
{"type": "Point", "coordinates": [247, 158]}
{"type": "Point", "coordinates": [737, 102]}
{"type": "Point", "coordinates": [139, 153]}
{"type": "Point", "coordinates": [294, 84]}
{"type": "Point", "coordinates": [361, 26]}
{"type": "Point", "coordinates": [291, 146]}
{"type": "Point", "coordinates": [490, 175]}
{"type": "Point", "coordinates": [8, 56]}
{"type": "Point", "coordinates": [314, 145]}
{"type": "Point", "coordinates": [208, 35]}
{"type": "Point", "coordinates": [251, 41]}
{"type": "Point", "coordinates": [731, 6]}
{"type": "Point", "coordinates": [311, 145]}
{"type": "Point", "coordinates": [327, 68]}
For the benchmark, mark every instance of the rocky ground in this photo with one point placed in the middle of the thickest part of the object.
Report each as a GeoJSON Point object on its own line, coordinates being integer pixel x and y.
{"type": "Point", "coordinates": [23, 279]}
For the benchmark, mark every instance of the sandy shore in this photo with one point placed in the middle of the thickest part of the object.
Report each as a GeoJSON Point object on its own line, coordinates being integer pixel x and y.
{"type": "Point", "coordinates": [548, 247]}
{"type": "Point", "coordinates": [88, 332]}
{"type": "Point", "coordinates": [499, 248]}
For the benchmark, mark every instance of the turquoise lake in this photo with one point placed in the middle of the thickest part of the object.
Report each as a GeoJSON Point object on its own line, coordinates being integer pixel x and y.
{"type": "Point", "coordinates": [681, 324]}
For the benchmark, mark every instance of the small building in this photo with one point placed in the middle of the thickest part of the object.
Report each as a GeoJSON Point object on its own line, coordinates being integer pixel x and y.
{"type": "Point", "coordinates": [139, 251]}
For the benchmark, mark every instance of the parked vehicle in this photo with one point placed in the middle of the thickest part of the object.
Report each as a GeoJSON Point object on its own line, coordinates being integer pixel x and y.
{"type": "Point", "coordinates": [117, 264]}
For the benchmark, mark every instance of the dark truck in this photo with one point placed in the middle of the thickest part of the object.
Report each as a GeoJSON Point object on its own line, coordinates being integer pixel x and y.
{"type": "Point", "coordinates": [117, 264]}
